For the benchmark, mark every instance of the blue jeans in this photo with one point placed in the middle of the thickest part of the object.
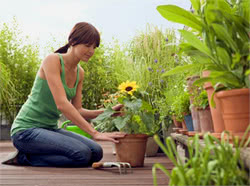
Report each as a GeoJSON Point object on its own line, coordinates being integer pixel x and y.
{"type": "Point", "coordinates": [55, 148]}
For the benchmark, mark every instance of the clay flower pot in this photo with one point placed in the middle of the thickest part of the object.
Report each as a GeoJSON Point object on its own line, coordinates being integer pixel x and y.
{"type": "Point", "coordinates": [131, 149]}
{"type": "Point", "coordinates": [192, 89]}
{"type": "Point", "coordinates": [235, 109]}
{"type": "Point", "coordinates": [216, 113]}
{"type": "Point", "coordinates": [206, 120]}
{"type": "Point", "coordinates": [176, 123]}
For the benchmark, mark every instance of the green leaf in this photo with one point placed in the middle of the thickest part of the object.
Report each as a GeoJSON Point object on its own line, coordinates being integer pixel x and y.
{"type": "Point", "coordinates": [106, 114]}
{"type": "Point", "coordinates": [222, 34]}
{"type": "Point", "coordinates": [224, 57]}
{"type": "Point", "coordinates": [195, 4]}
{"type": "Point", "coordinates": [180, 69]}
{"type": "Point", "coordinates": [202, 80]}
{"type": "Point", "coordinates": [134, 105]}
{"type": "Point", "coordinates": [247, 72]}
{"type": "Point", "coordinates": [179, 15]}
{"type": "Point", "coordinates": [195, 42]}
{"type": "Point", "coordinates": [224, 6]}
{"type": "Point", "coordinates": [148, 120]}
{"type": "Point", "coordinates": [120, 122]}
{"type": "Point", "coordinates": [247, 81]}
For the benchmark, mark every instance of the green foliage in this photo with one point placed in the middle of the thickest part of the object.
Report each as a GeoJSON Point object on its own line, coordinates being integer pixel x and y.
{"type": "Point", "coordinates": [21, 59]}
{"type": "Point", "coordinates": [7, 92]}
{"type": "Point", "coordinates": [181, 105]}
{"type": "Point", "coordinates": [201, 100]}
{"type": "Point", "coordinates": [138, 116]}
{"type": "Point", "coordinates": [219, 44]}
{"type": "Point", "coordinates": [215, 162]}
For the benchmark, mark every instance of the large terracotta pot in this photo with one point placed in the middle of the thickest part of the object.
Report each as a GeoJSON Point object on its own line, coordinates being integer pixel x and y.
{"type": "Point", "coordinates": [131, 149]}
{"type": "Point", "coordinates": [235, 109]}
{"type": "Point", "coordinates": [192, 89]}
{"type": "Point", "coordinates": [206, 120]}
{"type": "Point", "coordinates": [216, 113]}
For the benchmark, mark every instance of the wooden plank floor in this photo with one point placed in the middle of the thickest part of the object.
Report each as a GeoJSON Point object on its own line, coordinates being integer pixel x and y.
{"type": "Point", "coordinates": [43, 176]}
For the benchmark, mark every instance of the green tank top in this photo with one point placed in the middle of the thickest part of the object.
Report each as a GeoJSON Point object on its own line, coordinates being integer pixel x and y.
{"type": "Point", "coordinates": [40, 110]}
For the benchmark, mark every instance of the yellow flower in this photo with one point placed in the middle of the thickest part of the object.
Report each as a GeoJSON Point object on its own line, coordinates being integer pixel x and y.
{"type": "Point", "coordinates": [128, 87]}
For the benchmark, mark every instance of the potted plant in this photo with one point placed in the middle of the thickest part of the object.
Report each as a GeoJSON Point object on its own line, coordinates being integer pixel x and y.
{"type": "Point", "coordinates": [181, 108]}
{"type": "Point", "coordinates": [212, 162]}
{"type": "Point", "coordinates": [137, 119]}
{"type": "Point", "coordinates": [200, 103]}
{"type": "Point", "coordinates": [218, 39]}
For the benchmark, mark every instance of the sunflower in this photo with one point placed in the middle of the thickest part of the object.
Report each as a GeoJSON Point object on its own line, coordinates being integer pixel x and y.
{"type": "Point", "coordinates": [128, 87]}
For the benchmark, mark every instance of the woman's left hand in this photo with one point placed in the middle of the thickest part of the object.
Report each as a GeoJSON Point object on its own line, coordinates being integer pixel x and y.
{"type": "Point", "coordinates": [109, 136]}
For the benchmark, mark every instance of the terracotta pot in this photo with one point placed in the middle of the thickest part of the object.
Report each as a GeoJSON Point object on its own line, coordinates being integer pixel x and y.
{"type": "Point", "coordinates": [132, 149]}
{"type": "Point", "coordinates": [196, 119]}
{"type": "Point", "coordinates": [206, 120]}
{"type": "Point", "coordinates": [218, 123]}
{"type": "Point", "coordinates": [152, 147]}
{"type": "Point", "coordinates": [176, 123]}
{"type": "Point", "coordinates": [191, 89]}
{"type": "Point", "coordinates": [235, 109]}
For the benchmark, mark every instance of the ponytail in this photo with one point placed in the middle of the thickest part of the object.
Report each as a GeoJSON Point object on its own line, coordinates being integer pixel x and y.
{"type": "Point", "coordinates": [63, 49]}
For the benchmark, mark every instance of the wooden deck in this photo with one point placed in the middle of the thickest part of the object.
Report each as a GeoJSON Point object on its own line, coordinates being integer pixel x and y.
{"type": "Point", "coordinates": [43, 176]}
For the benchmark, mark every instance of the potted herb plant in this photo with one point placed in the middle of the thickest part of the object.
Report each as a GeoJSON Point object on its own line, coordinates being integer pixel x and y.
{"type": "Point", "coordinates": [218, 39]}
{"type": "Point", "coordinates": [137, 119]}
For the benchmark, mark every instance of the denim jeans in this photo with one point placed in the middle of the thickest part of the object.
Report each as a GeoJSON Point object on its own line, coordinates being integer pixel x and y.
{"type": "Point", "coordinates": [55, 148]}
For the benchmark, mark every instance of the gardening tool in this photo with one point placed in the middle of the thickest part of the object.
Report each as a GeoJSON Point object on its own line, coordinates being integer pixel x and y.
{"type": "Point", "coordinates": [122, 166]}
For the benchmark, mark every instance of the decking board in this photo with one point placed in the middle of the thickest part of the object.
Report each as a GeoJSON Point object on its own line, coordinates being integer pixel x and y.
{"type": "Point", "coordinates": [50, 176]}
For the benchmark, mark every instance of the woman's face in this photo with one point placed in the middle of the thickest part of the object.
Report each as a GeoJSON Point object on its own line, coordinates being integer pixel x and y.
{"type": "Point", "coordinates": [84, 51]}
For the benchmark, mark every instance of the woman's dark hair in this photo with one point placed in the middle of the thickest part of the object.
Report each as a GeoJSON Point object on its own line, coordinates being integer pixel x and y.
{"type": "Point", "coordinates": [82, 33]}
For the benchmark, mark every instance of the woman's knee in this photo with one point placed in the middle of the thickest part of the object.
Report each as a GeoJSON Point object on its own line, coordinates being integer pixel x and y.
{"type": "Point", "coordinates": [97, 153]}
{"type": "Point", "coordinates": [82, 155]}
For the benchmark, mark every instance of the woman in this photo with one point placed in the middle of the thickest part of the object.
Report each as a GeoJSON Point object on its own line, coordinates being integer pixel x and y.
{"type": "Point", "coordinates": [58, 89]}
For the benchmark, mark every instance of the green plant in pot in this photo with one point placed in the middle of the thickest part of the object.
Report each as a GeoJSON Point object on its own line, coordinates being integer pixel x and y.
{"type": "Point", "coordinates": [218, 39]}
{"type": "Point", "coordinates": [181, 109]}
{"type": "Point", "coordinates": [137, 119]}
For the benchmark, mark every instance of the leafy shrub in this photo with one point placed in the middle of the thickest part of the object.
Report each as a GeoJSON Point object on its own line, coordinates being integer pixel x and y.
{"type": "Point", "coordinates": [98, 79]}
{"type": "Point", "coordinates": [21, 60]}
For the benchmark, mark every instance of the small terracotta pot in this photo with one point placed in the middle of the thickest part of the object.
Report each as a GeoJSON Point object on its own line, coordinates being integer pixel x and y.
{"type": "Point", "coordinates": [131, 149]}
{"type": "Point", "coordinates": [218, 123]}
{"type": "Point", "coordinates": [191, 89]}
{"type": "Point", "coordinates": [235, 109]}
{"type": "Point", "coordinates": [206, 120]}
{"type": "Point", "coordinates": [176, 123]}
{"type": "Point", "coordinates": [196, 119]}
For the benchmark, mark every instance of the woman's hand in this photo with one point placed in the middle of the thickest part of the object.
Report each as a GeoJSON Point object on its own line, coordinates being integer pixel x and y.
{"type": "Point", "coordinates": [108, 136]}
{"type": "Point", "coordinates": [117, 108]}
